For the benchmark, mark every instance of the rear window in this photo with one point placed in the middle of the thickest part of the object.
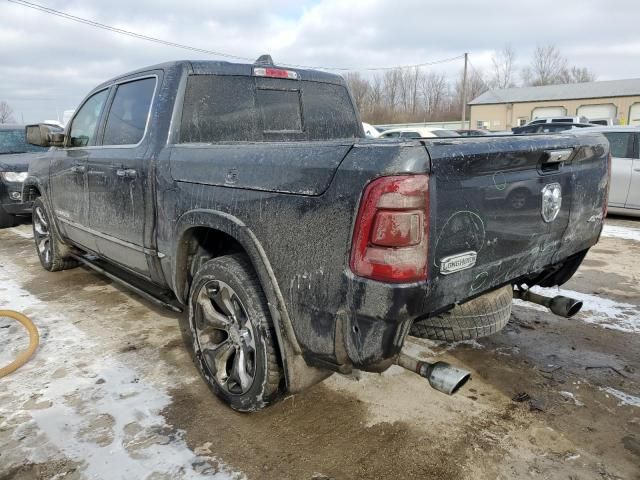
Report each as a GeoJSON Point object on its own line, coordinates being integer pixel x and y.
{"type": "Point", "coordinates": [221, 108]}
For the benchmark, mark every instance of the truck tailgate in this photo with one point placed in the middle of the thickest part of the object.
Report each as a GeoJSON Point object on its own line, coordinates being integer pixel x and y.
{"type": "Point", "coordinates": [486, 211]}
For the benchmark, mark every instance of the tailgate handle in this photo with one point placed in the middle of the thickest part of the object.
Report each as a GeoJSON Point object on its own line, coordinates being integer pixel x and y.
{"type": "Point", "coordinates": [557, 156]}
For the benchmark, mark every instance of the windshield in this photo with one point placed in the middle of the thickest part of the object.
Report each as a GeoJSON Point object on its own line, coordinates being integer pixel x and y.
{"type": "Point", "coordinates": [445, 133]}
{"type": "Point", "coordinates": [14, 141]}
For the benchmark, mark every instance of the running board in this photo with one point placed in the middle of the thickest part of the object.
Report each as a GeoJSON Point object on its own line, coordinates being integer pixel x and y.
{"type": "Point", "coordinates": [158, 297]}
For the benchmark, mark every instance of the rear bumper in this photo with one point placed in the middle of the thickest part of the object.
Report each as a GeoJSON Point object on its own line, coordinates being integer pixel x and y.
{"type": "Point", "coordinates": [372, 330]}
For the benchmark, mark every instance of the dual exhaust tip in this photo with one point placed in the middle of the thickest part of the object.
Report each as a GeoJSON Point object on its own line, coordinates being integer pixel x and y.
{"type": "Point", "coordinates": [443, 377]}
{"type": "Point", "coordinates": [560, 305]}
{"type": "Point", "coordinates": [449, 379]}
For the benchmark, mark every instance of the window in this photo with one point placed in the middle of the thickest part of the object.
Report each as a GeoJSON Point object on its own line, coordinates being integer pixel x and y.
{"type": "Point", "coordinates": [129, 111]}
{"type": "Point", "coordinates": [280, 110]}
{"type": "Point", "coordinates": [482, 124]}
{"type": "Point", "coordinates": [14, 141]}
{"type": "Point", "coordinates": [522, 122]}
{"type": "Point", "coordinates": [410, 135]}
{"type": "Point", "coordinates": [391, 134]}
{"type": "Point", "coordinates": [225, 108]}
{"type": "Point", "coordinates": [83, 128]}
{"type": "Point", "coordinates": [621, 144]}
{"type": "Point", "coordinates": [445, 133]}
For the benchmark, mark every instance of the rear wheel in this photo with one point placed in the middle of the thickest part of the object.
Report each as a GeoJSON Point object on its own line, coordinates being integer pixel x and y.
{"type": "Point", "coordinates": [53, 254]}
{"type": "Point", "coordinates": [6, 219]}
{"type": "Point", "coordinates": [230, 334]}
{"type": "Point", "coordinates": [482, 316]}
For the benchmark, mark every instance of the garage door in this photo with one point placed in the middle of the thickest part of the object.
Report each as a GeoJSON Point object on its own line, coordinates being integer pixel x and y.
{"type": "Point", "coordinates": [592, 112]}
{"type": "Point", "coordinates": [634, 114]}
{"type": "Point", "coordinates": [542, 112]}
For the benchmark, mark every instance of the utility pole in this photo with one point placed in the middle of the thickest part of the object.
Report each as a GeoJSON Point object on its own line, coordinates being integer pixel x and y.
{"type": "Point", "coordinates": [464, 92]}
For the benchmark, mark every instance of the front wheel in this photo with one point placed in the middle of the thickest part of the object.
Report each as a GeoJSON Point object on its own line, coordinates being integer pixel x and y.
{"type": "Point", "coordinates": [230, 334]}
{"type": "Point", "coordinates": [53, 254]}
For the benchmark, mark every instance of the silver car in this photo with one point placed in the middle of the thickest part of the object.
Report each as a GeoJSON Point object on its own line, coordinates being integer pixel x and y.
{"type": "Point", "coordinates": [624, 192]}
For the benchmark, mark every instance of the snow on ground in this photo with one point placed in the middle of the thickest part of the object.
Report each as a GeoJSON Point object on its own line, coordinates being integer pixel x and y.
{"type": "Point", "coordinates": [94, 410]}
{"type": "Point", "coordinates": [597, 310]}
{"type": "Point", "coordinates": [625, 398]}
{"type": "Point", "coordinates": [618, 231]}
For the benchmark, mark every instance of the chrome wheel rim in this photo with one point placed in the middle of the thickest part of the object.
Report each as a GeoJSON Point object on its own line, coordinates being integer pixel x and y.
{"type": "Point", "coordinates": [225, 336]}
{"type": "Point", "coordinates": [42, 235]}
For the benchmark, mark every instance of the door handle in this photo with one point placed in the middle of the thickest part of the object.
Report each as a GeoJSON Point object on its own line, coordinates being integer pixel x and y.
{"type": "Point", "coordinates": [78, 169]}
{"type": "Point", "coordinates": [126, 173]}
{"type": "Point", "coordinates": [636, 169]}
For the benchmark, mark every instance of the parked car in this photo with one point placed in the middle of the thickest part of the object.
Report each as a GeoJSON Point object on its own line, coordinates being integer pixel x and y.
{"type": "Point", "coordinates": [15, 154]}
{"type": "Point", "coordinates": [249, 196]}
{"type": "Point", "coordinates": [561, 119]}
{"type": "Point", "coordinates": [422, 132]}
{"type": "Point", "coordinates": [605, 122]}
{"type": "Point", "coordinates": [370, 131]}
{"type": "Point", "coordinates": [624, 193]}
{"type": "Point", "coordinates": [549, 127]}
{"type": "Point", "coordinates": [472, 132]}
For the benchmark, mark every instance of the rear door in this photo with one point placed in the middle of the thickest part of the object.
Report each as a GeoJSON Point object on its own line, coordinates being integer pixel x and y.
{"type": "Point", "coordinates": [622, 148]}
{"type": "Point", "coordinates": [492, 216]}
{"type": "Point", "coordinates": [118, 175]}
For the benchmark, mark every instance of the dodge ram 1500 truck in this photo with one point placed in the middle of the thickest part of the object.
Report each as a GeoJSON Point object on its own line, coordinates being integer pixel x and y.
{"type": "Point", "coordinates": [248, 195]}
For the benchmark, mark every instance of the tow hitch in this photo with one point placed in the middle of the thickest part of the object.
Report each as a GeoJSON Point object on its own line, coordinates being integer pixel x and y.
{"type": "Point", "coordinates": [443, 377]}
{"type": "Point", "coordinates": [560, 305]}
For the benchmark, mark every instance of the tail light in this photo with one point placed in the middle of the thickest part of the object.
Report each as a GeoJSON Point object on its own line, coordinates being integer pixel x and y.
{"type": "Point", "coordinates": [391, 232]}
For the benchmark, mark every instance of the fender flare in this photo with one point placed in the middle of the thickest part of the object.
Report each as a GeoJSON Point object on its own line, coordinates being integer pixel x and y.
{"type": "Point", "coordinates": [297, 374]}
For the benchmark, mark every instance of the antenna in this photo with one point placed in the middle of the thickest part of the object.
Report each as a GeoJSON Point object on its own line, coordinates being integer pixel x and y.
{"type": "Point", "coordinates": [264, 60]}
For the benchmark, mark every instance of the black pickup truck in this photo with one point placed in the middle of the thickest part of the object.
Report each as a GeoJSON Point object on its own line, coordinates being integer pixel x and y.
{"type": "Point", "coordinates": [248, 195]}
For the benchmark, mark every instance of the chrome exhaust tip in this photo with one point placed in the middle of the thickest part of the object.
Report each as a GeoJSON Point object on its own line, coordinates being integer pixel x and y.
{"type": "Point", "coordinates": [560, 305]}
{"type": "Point", "coordinates": [441, 376]}
{"type": "Point", "coordinates": [565, 306]}
{"type": "Point", "coordinates": [446, 378]}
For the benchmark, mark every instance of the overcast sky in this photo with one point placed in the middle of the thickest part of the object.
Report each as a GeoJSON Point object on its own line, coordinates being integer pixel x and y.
{"type": "Point", "coordinates": [48, 64]}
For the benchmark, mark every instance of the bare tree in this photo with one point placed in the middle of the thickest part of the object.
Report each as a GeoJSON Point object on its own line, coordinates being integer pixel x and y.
{"type": "Point", "coordinates": [433, 91]}
{"type": "Point", "coordinates": [6, 113]}
{"type": "Point", "coordinates": [503, 66]}
{"type": "Point", "coordinates": [359, 89]}
{"type": "Point", "coordinates": [578, 75]}
{"type": "Point", "coordinates": [549, 67]}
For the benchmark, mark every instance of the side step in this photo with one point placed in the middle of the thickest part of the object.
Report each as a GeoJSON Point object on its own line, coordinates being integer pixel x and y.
{"type": "Point", "coordinates": [130, 281]}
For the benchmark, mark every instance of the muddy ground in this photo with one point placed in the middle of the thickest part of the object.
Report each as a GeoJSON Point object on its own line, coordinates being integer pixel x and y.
{"type": "Point", "coordinates": [112, 394]}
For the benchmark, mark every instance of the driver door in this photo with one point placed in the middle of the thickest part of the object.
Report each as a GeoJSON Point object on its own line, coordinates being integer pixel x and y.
{"type": "Point", "coordinates": [68, 171]}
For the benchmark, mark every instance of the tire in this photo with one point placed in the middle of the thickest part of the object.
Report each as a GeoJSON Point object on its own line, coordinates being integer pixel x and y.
{"type": "Point", "coordinates": [6, 219]}
{"type": "Point", "coordinates": [482, 316]}
{"type": "Point", "coordinates": [230, 335]}
{"type": "Point", "coordinates": [52, 252]}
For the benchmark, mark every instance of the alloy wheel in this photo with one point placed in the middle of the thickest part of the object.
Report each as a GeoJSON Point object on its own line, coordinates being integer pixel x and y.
{"type": "Point", "coordinates": [42, 235]}
{"type": "Point", "coordinates": [225, 337]}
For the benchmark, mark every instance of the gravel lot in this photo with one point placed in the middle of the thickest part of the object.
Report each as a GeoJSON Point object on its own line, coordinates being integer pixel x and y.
{"type": "Point", "coordinates": [111, 393]}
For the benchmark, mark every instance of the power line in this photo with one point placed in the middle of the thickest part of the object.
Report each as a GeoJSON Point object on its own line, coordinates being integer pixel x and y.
{"type": "Point", "coordinates": [129, 33]}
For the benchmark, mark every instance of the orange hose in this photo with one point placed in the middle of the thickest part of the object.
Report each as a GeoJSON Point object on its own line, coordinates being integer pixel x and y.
{"type": "Point", "coordinates": [34, 339]}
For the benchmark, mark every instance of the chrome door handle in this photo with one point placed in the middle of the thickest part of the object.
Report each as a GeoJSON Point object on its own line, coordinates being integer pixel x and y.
{"type": "Point", "coordinates": [78, 169]}
{"type": "Point", "coordinates": [126, 173]}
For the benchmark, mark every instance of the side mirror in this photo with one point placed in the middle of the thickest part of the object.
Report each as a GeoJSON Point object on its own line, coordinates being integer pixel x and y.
{"type": "Point", "coordinates": [44, 135]}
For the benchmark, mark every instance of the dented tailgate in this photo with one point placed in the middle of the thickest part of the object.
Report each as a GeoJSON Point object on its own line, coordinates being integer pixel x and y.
{"type": "Point", "coordinates": [488, 223]}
